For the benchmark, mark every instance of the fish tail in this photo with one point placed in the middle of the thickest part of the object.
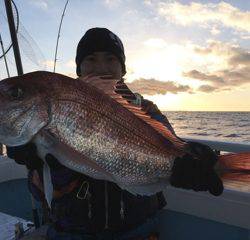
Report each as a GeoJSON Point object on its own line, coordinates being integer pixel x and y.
{"type": "Point", "coordinates": [234, 169]}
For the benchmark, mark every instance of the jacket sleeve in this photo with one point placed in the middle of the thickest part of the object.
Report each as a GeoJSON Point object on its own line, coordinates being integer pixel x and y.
{"type": "Point", "coordinates": [26, 155]}
{"type": "Point", "coordinates": [153, 111]}
{"type": "Point", "coordinates": [17, 153]}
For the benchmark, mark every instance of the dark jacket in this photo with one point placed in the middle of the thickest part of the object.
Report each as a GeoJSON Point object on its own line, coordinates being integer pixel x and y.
{"type": "Point", "coordinates": [92, 205]}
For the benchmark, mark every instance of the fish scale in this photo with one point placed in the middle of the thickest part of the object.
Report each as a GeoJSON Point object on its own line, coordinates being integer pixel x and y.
{"type": "Point", "coordinates": [124, 119]}
{"type": "Point", "coordinates": [109, 144]}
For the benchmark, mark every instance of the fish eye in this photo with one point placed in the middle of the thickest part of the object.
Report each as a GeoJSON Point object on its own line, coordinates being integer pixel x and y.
{"type": "Point", "coordinates": [16, 92]}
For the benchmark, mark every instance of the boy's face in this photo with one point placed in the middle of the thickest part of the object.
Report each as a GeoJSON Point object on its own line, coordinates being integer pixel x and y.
{"type": "Point", "coordinates": [101, 63]}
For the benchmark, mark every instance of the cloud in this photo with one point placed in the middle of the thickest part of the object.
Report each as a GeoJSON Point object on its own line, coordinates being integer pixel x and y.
{"type": "Point", "coordinates": [40, 4]}
{"type": "Point", "coordinates": [203, 77]}
{"type": "Point", "coordinates": [221, 49]}
{"type": "Point", "coordinates": [234, 72]}
{"type": "Point", "coordinates": [206, 88]}
{"type": "Point", "coordinates": [153, 87]}
{"type": "Point", "coordinates": [236, 77]}
{"type": "Point", "coordinates": [234, 55]}
{"type": "Point", "coordinates": [204, 14]}
{"type": "Point", "coordinates": [240, 57]}
{"type": "Point", "coordinates": [227, 77]}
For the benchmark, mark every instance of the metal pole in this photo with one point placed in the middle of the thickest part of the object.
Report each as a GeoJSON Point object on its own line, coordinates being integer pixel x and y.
{"type": "Point", "coordinates": [19, 66]}
{"type": "Point", "coordinates": [4, 57]}
{"type": "Point", "coordinates": [13, 35]}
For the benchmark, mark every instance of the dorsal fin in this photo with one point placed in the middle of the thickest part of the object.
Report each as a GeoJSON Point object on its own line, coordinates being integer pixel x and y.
{"type": "Point", "coordinates": [119, 91]}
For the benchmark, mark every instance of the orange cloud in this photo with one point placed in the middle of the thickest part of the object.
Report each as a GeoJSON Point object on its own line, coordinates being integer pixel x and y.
{"type": "Point", "coordinates": [153, 87]}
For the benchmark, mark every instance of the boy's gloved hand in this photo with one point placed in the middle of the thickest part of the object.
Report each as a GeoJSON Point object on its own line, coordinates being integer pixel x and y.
{"type": "Point", "coordinates": [25, 154]}
{"type": "Point", "coordinates": [196, 171]}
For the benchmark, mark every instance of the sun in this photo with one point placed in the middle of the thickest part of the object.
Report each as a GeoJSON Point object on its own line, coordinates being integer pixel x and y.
{"type": "Point", "coordinates": [163, 65]}
{"type": "Point", "coordinates": [167, 102]}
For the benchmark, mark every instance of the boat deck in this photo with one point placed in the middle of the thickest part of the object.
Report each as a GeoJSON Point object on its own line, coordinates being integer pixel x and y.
{"type": "Point", "coordinates": [15, 207]}
{"type": "Point", "coordinates": [174, 225]}
{"type": "Point", "coordinates": [7, 226]}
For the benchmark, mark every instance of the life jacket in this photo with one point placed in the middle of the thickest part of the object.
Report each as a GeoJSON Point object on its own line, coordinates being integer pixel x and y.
{"type": "Point", "coordinates": [89, 205]}
{"type": "Point", "coordinates": [96, 205]}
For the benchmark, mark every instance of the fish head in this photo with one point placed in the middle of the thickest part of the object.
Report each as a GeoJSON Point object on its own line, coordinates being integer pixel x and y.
{"type": "Point", "coordinates": [24, 109]}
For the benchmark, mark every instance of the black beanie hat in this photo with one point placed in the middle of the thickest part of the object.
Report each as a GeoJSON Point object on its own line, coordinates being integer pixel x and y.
{"type": "Point", "coordinates": [99, 40]}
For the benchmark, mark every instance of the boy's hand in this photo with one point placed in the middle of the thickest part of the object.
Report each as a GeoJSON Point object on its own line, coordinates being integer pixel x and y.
{"type": "Point", "coordinates": [196, 171]}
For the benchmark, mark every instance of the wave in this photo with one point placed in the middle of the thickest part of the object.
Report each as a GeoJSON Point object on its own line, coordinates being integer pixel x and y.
{"type": "Point", "coordinates": [233, 135]}
{"type": "Point", "coordinates": [218, 125]}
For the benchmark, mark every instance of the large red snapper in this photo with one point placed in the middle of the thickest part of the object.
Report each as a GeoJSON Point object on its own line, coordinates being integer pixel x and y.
{"type": "Point", "coordinates": [92, 131]}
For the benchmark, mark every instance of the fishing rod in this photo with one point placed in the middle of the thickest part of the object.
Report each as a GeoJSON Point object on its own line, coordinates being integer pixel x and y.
{"type": "Point", "coordinates": [58, 35]}
{"type": "Point", "coordinates": [12, 28]}
{"type": "Point", "coordinates": [8, 74]}
{"type": "Point", "coordinates": [19, 66]}
{"type": "Point", "coordinates": [4, 56]}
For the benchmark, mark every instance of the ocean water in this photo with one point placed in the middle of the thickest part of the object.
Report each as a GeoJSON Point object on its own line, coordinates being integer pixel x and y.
{"type": "Point", "coordinates": [221, 126]}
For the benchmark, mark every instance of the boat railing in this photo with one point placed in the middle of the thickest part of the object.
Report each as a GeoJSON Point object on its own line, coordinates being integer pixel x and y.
{"type": "Point", "coordinates": [221, 145]}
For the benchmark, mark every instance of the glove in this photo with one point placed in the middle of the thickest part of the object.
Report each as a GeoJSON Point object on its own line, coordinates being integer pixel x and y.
{"type": "Point", "coordinates": [196, 171]}
{"type": "Point", "coordinates": [25, 154]}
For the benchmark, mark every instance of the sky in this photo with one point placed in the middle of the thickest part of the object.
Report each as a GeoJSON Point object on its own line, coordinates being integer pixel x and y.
{"type": "Point", "coordinates": [182, 55]}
